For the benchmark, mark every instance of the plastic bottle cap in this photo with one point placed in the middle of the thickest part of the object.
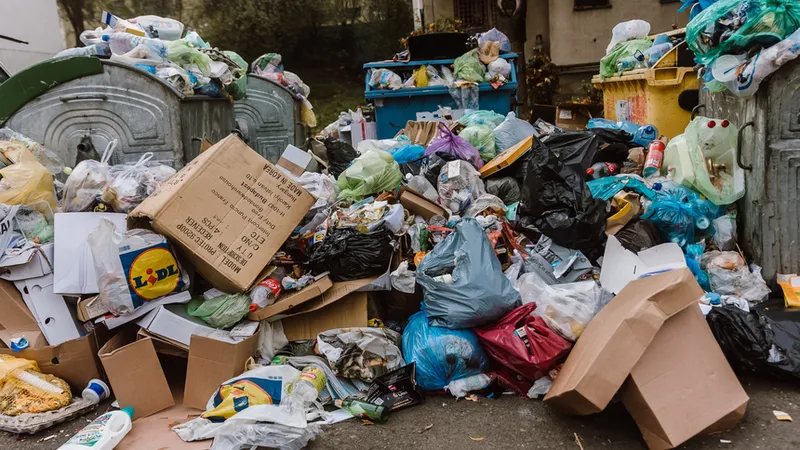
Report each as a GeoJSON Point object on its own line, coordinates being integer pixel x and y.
{"type": "Point", "coordinates": [105, 37]}
{"type": "Point", "coordinates": [253, 307]}
{"type": "Point", "coordinates": [657, 186]}
{"type": "Point", "coordinates": [724, 124]}
{"type": "Point", "coordinates": [129, 411]}
{"type": "Point", "coordinates": [589, 171]}
{"type": "Point", "coordinates": [712, 124]}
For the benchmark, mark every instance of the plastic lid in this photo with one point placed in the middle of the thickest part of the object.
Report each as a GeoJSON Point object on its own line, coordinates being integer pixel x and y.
{"type": "Point", "coordinates": [253, 307]}
{"type": "Point", "coordinates": [589, 171]}
{"type": "Point", "coordinates": [105, 37]}
{"type": "Point", "coordinates": [129, 411]}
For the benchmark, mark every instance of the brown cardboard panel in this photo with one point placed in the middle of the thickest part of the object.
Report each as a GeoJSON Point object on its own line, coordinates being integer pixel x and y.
{"type": "Point", "coordinates": [419, 205]}
{"type": "Point", "coordinates": [73, 361]}
{"type": "Point", "coordinates": [506, 157]}
{"type": "Point", "coordinates": [350, 311]}
{"type": "Point", "coordinates": [575, 116]}
{"type": "Point", "coordinates": [16, 320]}
{"type": "Point", "coordinates": [155, 431]}
{"type": "Point", "coordinates": [212, 362]}
{"type": "Point", "coordinates": [135, 374]}
{"type": "Point", "coordinates": [339, 290]}
{"type": "Point", "coordinates": [616, 339]}
{"type": "Point", "coordinates": [293, 299]}
{"type": "Point", "coordinates": [229, 209]}
{"type": "Point", "coordinates": [683, 386]}
{"type": "Point", "coordinates": [91, 308]}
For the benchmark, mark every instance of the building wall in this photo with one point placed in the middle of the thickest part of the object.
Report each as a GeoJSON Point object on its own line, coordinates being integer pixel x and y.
{"type": "Point", "coordinates": [437, 9]}
{"type": "Point", "coordinates": [34, 21]}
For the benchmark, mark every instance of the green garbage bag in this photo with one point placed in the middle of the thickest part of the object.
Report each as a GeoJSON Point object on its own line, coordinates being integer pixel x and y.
{"type": "Point", "coordinates": [736, 26]}
{"type": "Point", "coordinates": [181, 53]}
{"type": "Point", "coordinates": [224, 311]}
{"type": "Point", "coordinates": [482, 138]}
{"type": "Point", "coordinates": [372, 172]}
{"type": "Point", "coordinates": [482, 117]}
{"type": "Point", "coordinates": [468, 67]}
{"type": "Point", "coordinates": [608, 64]}
{"type": "Point", "coordinates": [238, 88]}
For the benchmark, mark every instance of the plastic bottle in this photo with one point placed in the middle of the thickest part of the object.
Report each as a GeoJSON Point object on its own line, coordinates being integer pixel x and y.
{"type": "Point", "coordinates": [122, 43]}
{"type": "Point", "coordinates": [655, 157]}
{"type": "Point", "coordinates": [102, 49]}
{"type": "Point", "coordinates": [653, 54]}
{"type": "Point", "coordinates": [104, 433]}
{"type": "Point", "coordinates": [266, 292]}
{"type": "Point", "coordinates": [364, 410]}
{"type": "Point", "coordinates": [91, 37]}
{"type": "Point", "coordinates": [644, 135]}
{"type": "Point", "coordinates": [304, 390]}
{"type": "Point", "coordinates": [601, 170]}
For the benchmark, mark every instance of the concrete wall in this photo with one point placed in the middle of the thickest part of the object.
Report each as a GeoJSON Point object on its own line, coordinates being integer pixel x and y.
{"type": "Point", "coordinates": [437, 9]}
{"type": "Point", "coordinates": [34, 21]}
{"type": "Point", "coordinates": [581, 37]}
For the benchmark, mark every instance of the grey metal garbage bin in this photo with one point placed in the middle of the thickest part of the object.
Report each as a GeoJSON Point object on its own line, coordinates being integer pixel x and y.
{"type": "Point", "coordinates": [105, 100]}
{"type": "Point", "coordinates": [769, 213]}
{"type": "Point", "coordinates": [268, 117]}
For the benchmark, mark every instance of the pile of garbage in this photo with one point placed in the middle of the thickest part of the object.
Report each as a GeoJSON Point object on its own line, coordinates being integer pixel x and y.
{"type": "Point", "coordinates": [740, 43]}
{"type": "Point", "coordinates": [631, 48]}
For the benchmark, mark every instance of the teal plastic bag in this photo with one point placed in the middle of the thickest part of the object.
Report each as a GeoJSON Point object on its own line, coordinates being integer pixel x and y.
{"type": "Point", "coordinates": [608, 64]}
{"type": "Point", "coordinates": [482, 117]}
{"type": "Point", "coordinates": [370, 173]}
{"type": "Point", "coordinates": [468, 67]}
{"type": "Point", "coordinates": [482, 138]}
{"type": "Point", "coordinates": [224, 311]}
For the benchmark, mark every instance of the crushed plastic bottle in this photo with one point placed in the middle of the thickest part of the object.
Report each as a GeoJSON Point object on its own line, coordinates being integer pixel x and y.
{"type": "Point", "coordinates": [122, 43]}
{"type": "Point", "coordinates": [304, 390]}
{"type": "Point", "coordinates": [266, 292]}
{"type": "Point", "coordinates": [601, 170]}
{"type": "Point", "coordinates": [101, 49]}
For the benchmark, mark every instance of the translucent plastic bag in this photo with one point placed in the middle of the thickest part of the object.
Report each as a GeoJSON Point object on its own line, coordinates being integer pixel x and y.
{"type": "Point", "coordinates": [27, 182]}
{"type": "Point", "coordinates": [679, 212]}
{"type": "Point", "coordinates": [182, 54]}
{"type": "Point", "coordinates": [729, 275]}
{"type": "Point", "coordinates": [223, 312]}
{"type": "Point", "coordinates": [11, 143]}
{"type": "Point", "coordinates": [238, 87]}
{"type": "Point", "coordinates": [608, 63]}
{"type": "Point", "coordinates": [626, 31]}
{"type": "Point", "coordinates": [459, 185]}
{"type": "Point", "coordinates": [511, 131]}
{"type": "Point", "coordinates": [451, 146]}
{"type": "Point", "coordinates": [481, 117]}
{"type": "Point", "coordinates": [567, 308]}
{"type": "Point", "coordinates": [128, 185]}
{"type": "Point", "coordinates": [468, 67]}
{"type": "Point", "coordinates": [373, 172]}
{"type": "Point", "coordinates": [441, 355]}
{"type": "Point", "coordinates": [176, 77]}
{"type": "Point", "coordinates": [385, 79]}
{"type": "Point", "coordinates": [321, 186]}
{"type": "Point", "coordinates": [362, 353]}
{"type": "Point", "coordinates": [724, 233]}
{"type": "Point", "coordinates": [482, 138]}
{"type": "Point", "coordinates": [495, 35]}
{"type": "Point", "coordinates": [497, 68]}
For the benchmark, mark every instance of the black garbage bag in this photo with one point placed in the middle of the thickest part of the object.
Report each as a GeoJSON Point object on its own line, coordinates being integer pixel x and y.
{"type": "Point", "coordinates": [612, 145]}
{"type": "Point", "coordinates": [349, 254]}
{"type": "Point", "coordinates": [575, 149]}
{"type": "Point", "coordinates": [505, 188]}
{"type": "Point", "coordinates": [761, 342]}
{"type": "Point", "coordinates": [638, 235]}
{"type": "Point", "coordinates": [557, 202]}
{"type": "Point", "coordinates": [340, 155]}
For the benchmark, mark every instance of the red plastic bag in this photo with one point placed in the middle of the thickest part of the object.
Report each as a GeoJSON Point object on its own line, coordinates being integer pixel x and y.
{"type": "Point", "coordinates": [505, 343]}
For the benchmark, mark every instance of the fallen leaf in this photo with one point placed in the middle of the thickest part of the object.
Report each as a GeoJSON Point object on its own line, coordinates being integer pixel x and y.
{"type": "Point", "coordinates": [367, 422]}
{"type": "Point", "coordinates": [426, 428]}
{"type": "Point", "coordinates": [472, 398]}
{"type": "Point", "coordinates": [724, 441]}
{"type": "Point", "coordinates": [578, 441]}
{"type": "Point", "coordinates": [478, 438]}
{"type": "Point", "coordinates": [780, 415]}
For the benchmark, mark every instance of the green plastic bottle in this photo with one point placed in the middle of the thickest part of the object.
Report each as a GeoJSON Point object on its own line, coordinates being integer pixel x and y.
{"type": "Point", "coordinates": [364, 410]}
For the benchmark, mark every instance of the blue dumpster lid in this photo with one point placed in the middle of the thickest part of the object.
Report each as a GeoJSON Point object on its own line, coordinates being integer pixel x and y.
{"type": "Point", "coordinates": [389, 64]}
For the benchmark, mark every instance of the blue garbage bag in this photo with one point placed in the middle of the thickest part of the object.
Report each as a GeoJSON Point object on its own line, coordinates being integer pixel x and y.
{"type": "Point", "coordinates": [442, 355]}
{"type": "Point", "coordinates": [407, 153]}
{"type": "Point", "coordinates": [679, 212]}
{"type": "Point", "coordinates": [462, 281]}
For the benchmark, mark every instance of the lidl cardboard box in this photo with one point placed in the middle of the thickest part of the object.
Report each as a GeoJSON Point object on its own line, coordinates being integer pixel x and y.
{"type": "Point", "coordinates": [229, 210]}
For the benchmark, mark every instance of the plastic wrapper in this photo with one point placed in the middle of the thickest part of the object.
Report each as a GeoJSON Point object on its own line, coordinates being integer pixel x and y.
{"type": "Point", "coordinates": [371, 173]}
{"type": "Point", "coordinates": [693, 256]}
{"type": "Point", "coordinates": [511, 131]}
{"type": "Point", "coordinates": [450, 146]}
{"type": "Point", "coordinates": [566, 308]}
{"type": "Point", "coordinates": [362, 353]}
{"type": "Point", "coordinates": [25, 390]}
{"type": "Point", "coordinates": [729, 275]}
{"type": "Point", "coordinates": [465, 96]}
{"type": "Point", "coordinates": [386, 145]}
{"type": "Point", "coordinates": [459, 185]}
{"type": "Point", "coordinates": [462, 281]}
{"type": "Point", "coordinates": [407, 153]}
{"type": "Point", "coordinates": [523, 343]}
{"type": "Point", "coordinates": [385, 79]}
{"type": "Point", "coordinates": [626, 31]}
{"type": "Point", "coordinates": [724, 233]}
{"type": "Point", "coordinates": [238, 87]}
{"type": "Point", "coordinates": [183, 54]}
{"type": "Point", "coordinates": [134, 267]}
{"type": "Point", "coordinates": [223, 311]}
{"type": "Point", "coordinates": [403, 279]}
{"type": "Point", "coordinates": [441, 355]}
{"type": "Point", "coordinates": [461, 387]}
{"type": "Point", "coordinates": [482, 117]}
{"type": "Point", "coordinates": [556, 201]}
{"type": "Point", "coordinates": [340, 155]}
{"type": "Point", "coordinates": [349, 254]}
{"type": "Point", "coordinates": [608, 63]}
{"type": "Point", "coordinates": [506, 188]}
{"type": "Point", "coordinates": [321, 186]}
{"type": "Point", "coordinates": [176, 77]}
{"type": "Point", "coordinates": [468, 67]}
{"type": "Point", "coordinates": [129, 184]}
{"type": "Point", "coordinates": [11, 143]}
{"type": "Point", "coordinates": [482, 138]}
{"type": "Point", "coordinates": [27, 182]}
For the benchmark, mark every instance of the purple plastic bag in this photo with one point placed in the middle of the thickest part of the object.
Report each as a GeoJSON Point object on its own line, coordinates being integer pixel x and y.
{"type": "Point", "coordinates": [455, 146]}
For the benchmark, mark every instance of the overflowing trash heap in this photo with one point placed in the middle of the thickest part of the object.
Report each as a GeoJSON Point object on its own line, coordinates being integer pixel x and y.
{"type": "Point", "coordinates": [492, 255]}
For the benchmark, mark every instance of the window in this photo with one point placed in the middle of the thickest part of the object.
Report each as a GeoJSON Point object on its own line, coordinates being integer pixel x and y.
{"type": "Point", "coordinates": [476, 13]}
{"type": "Point", "coordinates": [591, 4]}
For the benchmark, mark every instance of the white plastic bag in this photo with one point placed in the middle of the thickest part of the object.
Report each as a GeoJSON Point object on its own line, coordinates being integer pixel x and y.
{"type": "Point", "coordinates": [129, 184]}
{"type": "Point", "coordinates": [626, 31]}
{"type": "Point", "coordinates": [87, 181]}
{"type": "Point", "coordinates": [403, 279]}
{"type": "Point", "coordinates": [385, 79]}
{"type": "Point", "coordinates": [511, 131]}
{"type": "Point", "coordinates": [104, 242]}
{"type": "Point", "coordinates": [321, 186]}
{"type": "Point", "coordinates": [498, 67]}
{"type": "Point", "coordinates": [461, 387]}
{"type": "Point", "coordinates": [567, 308]}
{"type": "Point", "coordinates": [728, 274]}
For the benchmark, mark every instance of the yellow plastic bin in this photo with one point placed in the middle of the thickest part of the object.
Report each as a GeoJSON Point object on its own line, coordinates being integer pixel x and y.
{"type": "Point", "coordinates": [650, 96]}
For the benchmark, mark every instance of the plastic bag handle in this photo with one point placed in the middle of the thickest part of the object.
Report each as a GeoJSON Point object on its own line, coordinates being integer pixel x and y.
{"type": "Point", "coordinates": [443, 130]}
{"type": "Point", "coordinates": [110, 147]}
{"type": "Point", "coordinates": [144, 159]}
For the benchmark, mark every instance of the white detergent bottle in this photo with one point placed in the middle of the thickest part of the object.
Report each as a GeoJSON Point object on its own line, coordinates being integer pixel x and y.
{"type": "Point", "coordinates": [104, 433]}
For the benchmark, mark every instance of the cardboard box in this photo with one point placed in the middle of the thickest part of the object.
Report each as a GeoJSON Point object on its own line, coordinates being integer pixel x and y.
{"type": "Point", "coordinates": [294, 161]}
{"type": "Point", "coordinates": [212, 362]}
{"type": "Point", "coordinates": [293, 299]}
{"type": "Point", "coordinates": [91, 308]}
{"type": "Point", "coordinates": [173, 323]}
{"type": "Point", "coordinates": [31, 263]}
{"type": "Point", "coordinates": [343, 312]}
{"type": "Point", "coordinates": [575, 116]}
{"type": "Point", "coordinates": [419, 205]}
{"type": "Point", "coordinates": [111, 321]}
{"type": "Point", "coordinates": [683, 386]}
{"type": "Point", "coordinates": [73, 265]}
{"type": "Point", "coordinates": [135, 374]}
{"type": "Point", "coordinates": [54, 316]}
{"type": "Point", "coordinates": [16, 320]}
{"type": "Point", "coordinates": [155, 432]}
{"type": "Point", "coordinates": [74, 361]}
{"type": "Point", "coordinates": [616, 339]}
{"type": "Point", "coordinates": [230, 210]}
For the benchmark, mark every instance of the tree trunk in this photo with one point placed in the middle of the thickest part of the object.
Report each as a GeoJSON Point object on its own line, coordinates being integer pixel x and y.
{"type": "Point", "coordinates": [75, 14]}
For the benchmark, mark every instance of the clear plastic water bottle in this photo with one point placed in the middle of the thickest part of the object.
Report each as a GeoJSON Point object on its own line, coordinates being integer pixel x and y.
{"type": "Point", "coordinates": [304, 390]}
{"type": "Point", "coordinates": [101, 50]}
{"type": "Point", "coordinates": [645, 134]}
{"type": "Point", "coordinates": [122, 43]}
{"type": "Point", "coordinates": [653, 54]}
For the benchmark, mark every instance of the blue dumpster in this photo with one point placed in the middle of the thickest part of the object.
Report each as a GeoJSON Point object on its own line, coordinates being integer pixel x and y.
{"type": "Point", "coordinates": [394, 108]}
